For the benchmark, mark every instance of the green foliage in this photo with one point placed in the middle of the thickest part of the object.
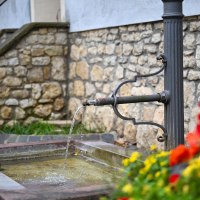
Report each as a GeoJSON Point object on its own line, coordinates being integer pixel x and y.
{"type": "Point", "coordinates": [42, 128]}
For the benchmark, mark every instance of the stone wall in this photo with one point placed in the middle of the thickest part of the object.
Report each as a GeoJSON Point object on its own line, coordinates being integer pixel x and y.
{"type": "Point", "coordinates": [101, 59]}
{"type": "Point", "coordinates": [33, 76]}
{"type": "Point", "coordinates": [49, 72]}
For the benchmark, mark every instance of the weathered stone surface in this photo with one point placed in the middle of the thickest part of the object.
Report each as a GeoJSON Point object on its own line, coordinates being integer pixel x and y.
{"type": "Point", "coordinates": [198, 52]}
{"type": "Point", "coordinates": [104, 118]}
{"type": "Point", "coordinates": [127, 49]}
{"type": "Point", "coordinates": [141, 91]}
{"type": "Point", "coordinates": [13, 61]}
{"type": "Point", "coordinates": [51, 90]}
{"type": "Point", "coordinates": [3, 62]}
{"type": "Point", "coordinates": [75, 53]}
{"type": "Point", "coordinates": [26, 103]}
{"type": "Point", "coordinates": [59, 104]}
{"type": "Point", "coordinates": [79, 88]}
{"type": "Point", "coordinates": [24, 59]}
{"type": "Point", "coordinates": [12, 81]}
{"type": "Point", "coordinates": [193, 75]}
{"type": "Point", "coordinates": [159, 115]}
{"type": "Point", "coordinates": [31, 39]}
{"type": "Point", "coordinates": [92, 50]}
{"type": "Point", "coordinates": [19, 113]}
{"type": "Point", "coordinates": [47, 72]}
{"type": "Point", "coordinates": [35, 75]}
{"type": "Point", "coordinates": [82, 70]}
{"type": "Point", "coordinates": [90, 89]}
{"type": "Point", "coordinates": [56, 116]}
{"type": "Point", "coordinates": [36, 91]}
{"type": "Point", "coordinates": [58, 68]}
{"type": "Point", "coordinates": [189, 93]}
{"type": "Point", "coordinates": [189, 62]}
{"type": "Point", "coordinates": [108, 74]}
{"type": "Point", "coordinates": [6, 112]}
{"type": "Point", "coordinates": [44, 101]}
{"type": "Point", "coordinates": [2, 73]}
{"type": "Point", "coordinates": [146, 136]}
{"type": "Point", "coordinates": [31, 120]}
{"type": "Point", "coordinates": [130, 132]}
{"type": "Point", "coordinates": [109, 49]}
{"type": "Point", "coordinates": [150, 48]}
{"type": "Point", "coordinates": [73, 104]}
{"type": "Point", "coordinates": [20, 94]}
{"type": "Point", "coordinates": [11, 54]}
{"type": "Point", "coordinates": [37, 50]}
{"type": "Point", "coordinates": [148, 113]}
{"type": "Point", "coordinates": [46, 39]}
{"type": "Point", "coordinates": [156, 38]}
{"type": "Point", "coordinates": [119, 74]}
{"type": "Point", "coordinates": [189, 41]}
{"type": "Point", "coordinates": [44, 60]}
{"type": "Point", "coordinates": [53, 50]}
{"type": "Point", "coordinates": [72, 70]}
{"type": "Point", "coordinates": [61, 38]}
{"type": "Point", "coordinates": [138, 49]}
{"type": "Point", "coordinates": [20, 71]}
{"type": "Point", "coordinates": [12, 102]}
{"type": "Point", "coordinates": [4, 92]}
{"type": "Point", "coordinates": [96, 73]}
{"type": "Point", "coordinates": [43, 110]}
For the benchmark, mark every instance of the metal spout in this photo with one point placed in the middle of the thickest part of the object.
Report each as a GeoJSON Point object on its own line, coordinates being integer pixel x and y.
{"type": "Point", "coordinates": [160, 97]}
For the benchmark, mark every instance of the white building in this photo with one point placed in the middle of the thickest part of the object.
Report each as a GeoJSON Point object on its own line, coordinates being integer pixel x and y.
{"type": "Point", "coordinates": [86, 14]}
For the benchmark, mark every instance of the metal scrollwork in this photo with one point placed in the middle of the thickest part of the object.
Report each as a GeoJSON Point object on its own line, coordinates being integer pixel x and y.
{"type": "Point", "coordinates": [160, 138]}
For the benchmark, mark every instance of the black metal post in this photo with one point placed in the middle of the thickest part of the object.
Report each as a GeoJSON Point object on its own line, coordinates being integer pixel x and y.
{"type": "Point", "coordinates": [173, 78]}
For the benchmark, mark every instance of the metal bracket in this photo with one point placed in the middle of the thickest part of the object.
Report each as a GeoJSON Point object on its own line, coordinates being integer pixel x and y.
{"type": "Point", "coordinates": [160, 138]}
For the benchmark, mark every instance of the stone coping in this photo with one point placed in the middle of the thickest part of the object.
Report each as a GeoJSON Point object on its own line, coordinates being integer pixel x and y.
{"type": "Point", "coordinates": [10, 139]}
{"type": "Point", "coordinates": [20, 33]}
{"type": "Point", "coordinates": [93, 192]}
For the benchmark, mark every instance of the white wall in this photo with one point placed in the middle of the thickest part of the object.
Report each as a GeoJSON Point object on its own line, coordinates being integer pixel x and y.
{"type": "Point", "coordinates": [92, 14]}
{"type": "Point", "coordinates": [14, 13]}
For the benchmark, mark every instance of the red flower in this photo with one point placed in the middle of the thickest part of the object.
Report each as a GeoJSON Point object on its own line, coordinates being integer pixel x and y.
{"type": "Point", "coordinates": [174, 178]}
{"type": "Point", "coordinates": [179, 154]}
{"type": "Point", "coordinates": [194, 142]}
{"type": "Point", "coordinates": [123, 198]}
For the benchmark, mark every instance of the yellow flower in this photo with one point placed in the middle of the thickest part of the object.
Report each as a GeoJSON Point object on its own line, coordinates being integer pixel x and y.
{"type": "Point", "coordinates": [145, 189]}
{"type": "Point", "coordinates": [134, 157]}
{"type": "Point", "coordinates": [162, 154]}
{"type": "Point", "coordinates": [160, 183]}
{"type": "Point", "coordinates": [125, 162]}
{"type": "Point", "coordinates": [187, 171]}
{"type": "Point", "coordinates": [128, 188]}
{"type": "Point", "coordinates": [153, 147]}
{"type": "Point", "coordinates": [167, 189]}
{"type": "Point", "coordinates": [149, 176]}
{"type": "Point", "coordinates": [186, 189]}
{"type": "Point", "coordinates": [163, 163]}
{"type": "Point", "coordinates": [157, 174]}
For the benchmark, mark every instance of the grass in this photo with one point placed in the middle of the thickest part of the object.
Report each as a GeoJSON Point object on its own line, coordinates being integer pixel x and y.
{"type": "Point", "coordinates": [41, 128]}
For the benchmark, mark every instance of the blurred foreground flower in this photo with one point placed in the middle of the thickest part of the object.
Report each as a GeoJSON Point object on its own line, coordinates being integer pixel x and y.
{"type": "Point", "coordinates": [173, 175]}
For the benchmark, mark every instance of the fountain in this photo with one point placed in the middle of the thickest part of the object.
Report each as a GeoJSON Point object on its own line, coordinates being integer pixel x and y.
{"type": "Point", "coordinates": [172, 96]}
{"type": "Point", "coordinates": [101, 159]}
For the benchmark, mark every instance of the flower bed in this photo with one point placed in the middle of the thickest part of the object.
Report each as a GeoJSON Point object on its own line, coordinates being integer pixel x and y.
{"type": "Point", "coordinates": [172, 175]}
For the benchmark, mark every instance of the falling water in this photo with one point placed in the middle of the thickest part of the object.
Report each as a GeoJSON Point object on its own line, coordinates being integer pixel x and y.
{"type": "Point", "coordinates": [71, 129]}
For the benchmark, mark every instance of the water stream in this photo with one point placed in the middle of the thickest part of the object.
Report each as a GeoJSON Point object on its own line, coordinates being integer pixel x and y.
{"type": "Point", "coordinates": [71, 129]}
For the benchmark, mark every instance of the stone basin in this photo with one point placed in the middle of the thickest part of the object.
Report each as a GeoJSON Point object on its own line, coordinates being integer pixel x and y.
{"type": "Point", "coordinates": [39, 170]}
